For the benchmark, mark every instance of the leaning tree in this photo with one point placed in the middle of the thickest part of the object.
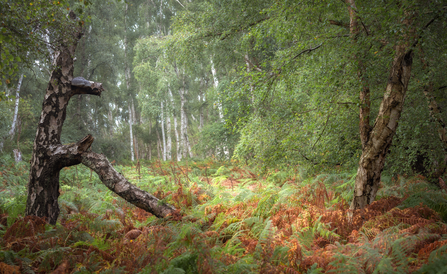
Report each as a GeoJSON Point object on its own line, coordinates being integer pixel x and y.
{"type": "Point", "coordinates": [50, 155]}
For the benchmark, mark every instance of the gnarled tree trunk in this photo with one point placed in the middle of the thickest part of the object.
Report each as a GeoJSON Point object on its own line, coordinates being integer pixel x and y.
{"type": "Point", "coordinates": [375, 150]}
{"type": "Point", "coordinates": [50, 156]}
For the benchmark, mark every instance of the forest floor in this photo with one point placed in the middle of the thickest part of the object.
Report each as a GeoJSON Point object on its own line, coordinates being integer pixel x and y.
{"type": "Point", "coordinates": [233, 220]}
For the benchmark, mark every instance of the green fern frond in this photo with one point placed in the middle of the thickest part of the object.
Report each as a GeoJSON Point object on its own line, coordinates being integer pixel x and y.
{"type": "Point", "coordinates": [256, 224]}
{"type": "Point", "coordinates": [104, 225]}
{"type": "Point", "coordinates": [266, 203]}
{"type": "Point", "coordinates": [345, 264]}
{"type": "Point", "coordinates": [435, 200]}
{"type": "Point", "coordinates": [263, 240]}
{"type": "Point", "coordinates": [245, 195]}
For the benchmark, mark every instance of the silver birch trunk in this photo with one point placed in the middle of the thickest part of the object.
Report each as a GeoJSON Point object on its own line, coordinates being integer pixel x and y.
{"type": "Point", "coordinates": [177, 139]}
{"type": "Point", "coordinates": [150, 144]}
{"type": "Point", "coordinates": [16, 108]}
{"type": "Point", "coordinates": [131, 134]}
{"type": "Point", "coordinates": [168, 137]}
{"type": "Point", "coordinates": [216, 85]}
{"type": "Point", "coordinates": [183, 121]}
{"type": "Point", "coordinates": [163, 132]}
{"type": "Point", "coordinates": [127, 76]}
{"type": "Point", "coordinates": [219, 105]}
{"type": "Point", "coordinates": [50, 156]}
{"type": "Point", "coordinates": [158, 143]}
{"type": "Point", "coordinates": [135, 140]}
{"type": "Point", "coordinates": [201, 116]}
{"type": "Point", "coordinates": [187, 146]}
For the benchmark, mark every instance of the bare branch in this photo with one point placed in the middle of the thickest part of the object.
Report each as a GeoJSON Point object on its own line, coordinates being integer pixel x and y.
{"type": "Point", "coordinates": [116, 182]}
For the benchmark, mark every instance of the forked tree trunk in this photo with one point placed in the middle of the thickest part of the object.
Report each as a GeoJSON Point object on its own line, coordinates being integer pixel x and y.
{"type": "Point", "coordinates": [50, 156]}
{"type": "Point", "coordinates": [374, 152]}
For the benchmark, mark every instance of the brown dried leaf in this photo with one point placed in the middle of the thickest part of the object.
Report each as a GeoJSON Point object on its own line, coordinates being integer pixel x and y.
{"type": "Point", "coordinates": [133, 234]}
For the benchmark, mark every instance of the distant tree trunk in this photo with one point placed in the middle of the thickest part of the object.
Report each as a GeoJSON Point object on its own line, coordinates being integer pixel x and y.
{"type": "Point", "coordinates": [131, 134]}
{"type": "Point", "coordinates": [365, 101]}
{"type": "Point", "coordinates": [216, 85]}
{"type": "Point", "coordinates": [168, 137]}
{"type": "Point", "coordinates": [127, 76]}
{"type": "Point", "coordinates": [202, 103]}
{"type": "Point", "coordinates": [177, 139]}
{"type": "Point", "coordinates": [163, 132]}
{"type": "Point", "coordinates": [159, 149]}
{"type": "Point", "coordinates": [111, 121]}
{"type": "Point", "coordinates": [150, 142]}
{"type": "Point", "coordinates": [374, 152]}
{"type": "Point", "coordinates": [183, 116]}
{"type": "Point", "coordinates": [134, 122]}
{"type": "Point", "coordinates": [17, 155]}
{"type": "Point", "coordinates": [50, 156]}
{"type": "Point", "coordinates": [16, 108]}
{"type": "Point", "coordinates": [219, 105]}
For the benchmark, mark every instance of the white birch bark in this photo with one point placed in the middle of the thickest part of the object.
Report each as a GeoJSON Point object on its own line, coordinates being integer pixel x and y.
{"type": "Point", "coordinates": [183, 147]}
{"type": "Point", "coordinates": [131, 134]}
{"type": "Point", "coordinates": [219, 105]}
{"type": "Point", "coordinates": [187, 146]}
{"type": "Point", "coordinates": [158, 143]}
{"type": "Point", "coordinates": [182, 123]}
{"type": "Point", "coordinates": [201, 116]}
{"type": "Point", "coordinates": [177, 139]}
{"type": "Point", "coordinates": [150, 143]}
{"type": "Point", "coordinates": [16, 108]}
{"type": "Point", "coordinates": [168, 136]}
{"type": "Point", "coordinates": [127, 75]}
{"type": "Point", "coordinates": [134, 121]}
{"type": "Point", "coordinates": [216, 85]}
{"type": "Point", "coordinates": [163, 132]}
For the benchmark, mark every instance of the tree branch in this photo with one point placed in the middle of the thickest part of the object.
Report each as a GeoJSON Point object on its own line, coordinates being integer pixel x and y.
{"type": "Point", "coordinates": [116, 182]}
{"type": "Point", "coordinates": [81, 86]}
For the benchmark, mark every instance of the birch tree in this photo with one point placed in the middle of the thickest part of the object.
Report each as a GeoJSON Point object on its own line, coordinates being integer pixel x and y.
{"type": "Point", "coordinates": [50, 156]}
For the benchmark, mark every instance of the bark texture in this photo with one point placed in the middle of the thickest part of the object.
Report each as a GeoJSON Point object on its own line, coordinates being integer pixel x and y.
{"type": "Point", "coordinates": [50, 156]}
{"type": "Point", "coordinates": [374, 152]}
{"type": "Point", "coordinates": [118, 184]}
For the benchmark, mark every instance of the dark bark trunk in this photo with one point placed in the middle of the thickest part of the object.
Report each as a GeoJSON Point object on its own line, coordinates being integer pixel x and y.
{"type": "Point", "coordinates": [50, 156]}
{"type": "Point", "coordinates": [374, 152]}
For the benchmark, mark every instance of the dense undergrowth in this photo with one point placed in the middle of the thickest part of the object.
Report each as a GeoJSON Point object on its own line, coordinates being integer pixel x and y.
{"type": "Point", "coordinates": [233, 221]}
